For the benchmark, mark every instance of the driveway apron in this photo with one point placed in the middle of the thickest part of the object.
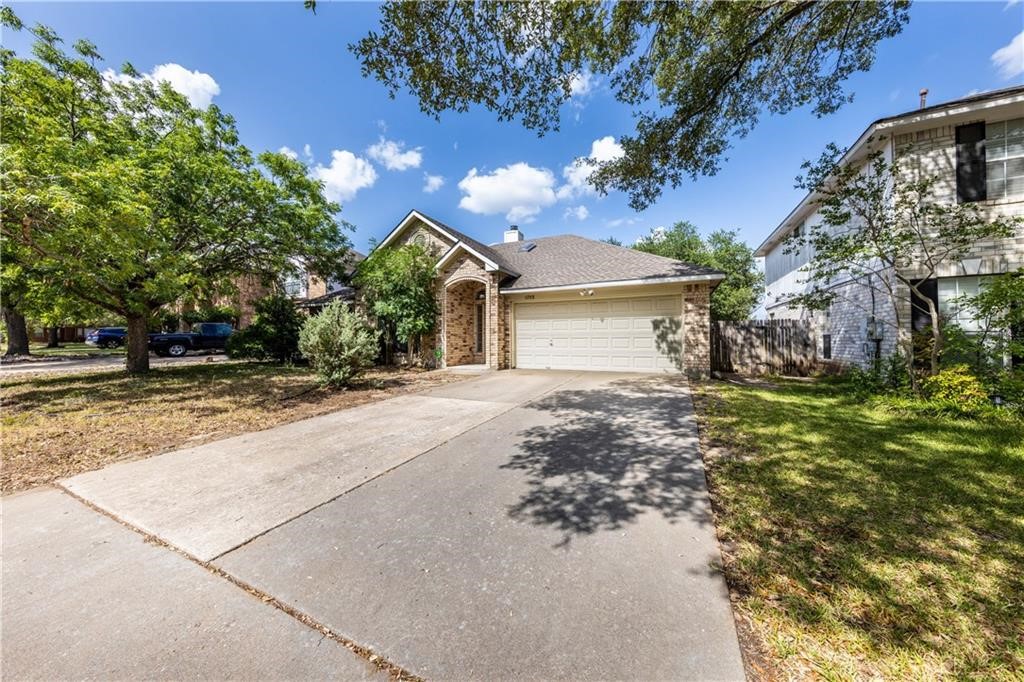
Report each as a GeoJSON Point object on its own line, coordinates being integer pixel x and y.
{"type": "Point", "coordinates": [211, 498]}
{"type": "Point", "coordinates": [569, 537]}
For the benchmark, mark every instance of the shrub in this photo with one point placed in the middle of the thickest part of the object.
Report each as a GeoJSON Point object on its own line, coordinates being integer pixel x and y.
{"type": "Point", "coordinates": [954, 384]}
{"type": "Point", "coordinates": [886, 376]}
{"type": "Point", "coordinates": [273, 334]}
{"type": "Point", "coordinates": [339, 343]}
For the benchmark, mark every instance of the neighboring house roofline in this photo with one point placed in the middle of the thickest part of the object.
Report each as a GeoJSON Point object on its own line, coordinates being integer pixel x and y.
{"type": "Point", "coordinates": [616, 283]}
{"type": "Point", "coordinates": [926, 115]}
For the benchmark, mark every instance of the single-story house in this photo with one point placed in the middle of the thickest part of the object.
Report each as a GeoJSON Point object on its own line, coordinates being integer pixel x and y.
{"type": "Point", "coordinates": [563, 302]}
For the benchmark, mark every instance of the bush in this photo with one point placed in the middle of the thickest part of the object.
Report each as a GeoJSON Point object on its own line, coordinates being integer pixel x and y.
{"type": "Point", "coordinates": [955, 384]}
{"type": "Point", "coordinates": [273, 334]}
{"type": "Point", "coordinates": [886, 376]}
{"type": "Point", "coordinates": [339, 343]}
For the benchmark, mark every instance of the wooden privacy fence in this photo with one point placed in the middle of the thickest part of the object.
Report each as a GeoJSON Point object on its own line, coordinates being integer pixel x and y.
{"type": "Point", "coordinates": [763, 347]}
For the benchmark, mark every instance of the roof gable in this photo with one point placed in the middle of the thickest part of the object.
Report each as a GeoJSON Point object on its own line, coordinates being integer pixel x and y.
{"type": "Point", "coordinates": [459, 241]}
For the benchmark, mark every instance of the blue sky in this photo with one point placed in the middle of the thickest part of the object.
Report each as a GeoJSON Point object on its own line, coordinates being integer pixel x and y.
{"type": "Point", "coordinates": [290, 81]}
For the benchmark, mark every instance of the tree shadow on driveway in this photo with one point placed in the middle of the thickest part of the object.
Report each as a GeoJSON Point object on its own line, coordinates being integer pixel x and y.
{"type": "Point", "coordinates": [610, 455]}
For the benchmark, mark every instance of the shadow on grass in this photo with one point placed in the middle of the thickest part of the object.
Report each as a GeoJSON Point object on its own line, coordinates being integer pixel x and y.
{"type": "Point", "coordinates": [609, 455]}
{"type": "Point", "coordinates": [908, 531]}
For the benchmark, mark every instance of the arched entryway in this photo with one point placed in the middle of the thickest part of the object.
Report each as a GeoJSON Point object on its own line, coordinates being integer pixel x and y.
{"type": "Point", "coordinates": [465, 329]}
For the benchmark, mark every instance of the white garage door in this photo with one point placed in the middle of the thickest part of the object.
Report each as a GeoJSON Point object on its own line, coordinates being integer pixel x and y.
{"type": "Point", "coordinates": [625, 334]}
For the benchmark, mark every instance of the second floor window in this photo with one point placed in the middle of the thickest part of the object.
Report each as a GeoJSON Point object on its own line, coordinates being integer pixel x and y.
{"type": "Point", "coordinates": [1004, 158]}
{"type": "Point", "coordinates": [990, 160]}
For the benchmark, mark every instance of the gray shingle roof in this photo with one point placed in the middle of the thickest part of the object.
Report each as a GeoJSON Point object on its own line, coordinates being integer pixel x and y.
{"type": "Point", "coordinates": [568, 259]}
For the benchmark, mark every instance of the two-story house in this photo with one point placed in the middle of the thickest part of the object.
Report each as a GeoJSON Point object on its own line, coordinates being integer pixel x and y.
{"type": "Point", "coordinates": [974, 146]}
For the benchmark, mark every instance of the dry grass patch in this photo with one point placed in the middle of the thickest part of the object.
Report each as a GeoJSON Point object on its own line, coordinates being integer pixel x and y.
{"type": "Point", "coordinates": [865, 544]}
{"type": "Point", "coordinates": [60, 425]}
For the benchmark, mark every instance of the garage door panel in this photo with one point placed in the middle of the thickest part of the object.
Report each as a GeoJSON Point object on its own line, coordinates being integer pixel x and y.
{"type": "Point", "coordinates": [616, 334]}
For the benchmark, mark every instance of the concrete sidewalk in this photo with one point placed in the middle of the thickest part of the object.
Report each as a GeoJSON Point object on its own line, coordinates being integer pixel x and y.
{"type": "Point", "coordinates": [86, 598]}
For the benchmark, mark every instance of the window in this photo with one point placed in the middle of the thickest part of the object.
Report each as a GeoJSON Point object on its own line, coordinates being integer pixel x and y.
{"type": "Point", "coordinates": [949, 290]}
{"type": "Point", "coordinates": [1004, 158]}
{"type": "Point", "coordinates": [826, 346]}
{"type": "Point", "coordinates": [970, 163]}
{"type": "Point", "coordinates": [479, 328]}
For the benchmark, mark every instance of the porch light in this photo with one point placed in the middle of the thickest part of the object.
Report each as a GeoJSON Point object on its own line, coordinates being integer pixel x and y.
{"type": "Point", "coordinates": [480, 295]}
{"type": "Point", "coordinates": [586, 292]}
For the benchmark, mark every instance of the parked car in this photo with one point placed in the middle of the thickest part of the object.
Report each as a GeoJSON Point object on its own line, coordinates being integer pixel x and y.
{"type": "Point", "coordinates": [107, 337]}
{"type": "Point", "coordinates": [204, 336]}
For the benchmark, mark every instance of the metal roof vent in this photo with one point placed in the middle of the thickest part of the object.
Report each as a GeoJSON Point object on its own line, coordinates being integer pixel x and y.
{"type": "Point", "coordinates": [528, 246]}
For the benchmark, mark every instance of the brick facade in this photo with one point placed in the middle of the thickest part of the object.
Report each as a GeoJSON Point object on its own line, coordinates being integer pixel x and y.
{"type": "Point", "coordinates": [697, 329]}
{"type": "Point", "coordinates": [458, 288]}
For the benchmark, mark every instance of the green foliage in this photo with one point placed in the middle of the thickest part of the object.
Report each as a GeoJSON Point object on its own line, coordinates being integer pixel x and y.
{"type": "Point", "coordinates": [273, 334]}
{"type": "Point", "coordinates": [955, 384]}
{"type": "Point", "coordinates": [888, 376]}
{"type": "Point", "coordinates": [613, 241]}
{"type": "Point", "coordinates": [211, 313]}
{"type": "Point", "coordinates": [128, 198]}
{"type": "Point", "coordinates": [696, 74]}
{"type": "Point", "coordinates": [339, 343]}
{"type": "Point", "coordinates": [737, 295]}
{"type": "Point", "coordinates": [398, 289]}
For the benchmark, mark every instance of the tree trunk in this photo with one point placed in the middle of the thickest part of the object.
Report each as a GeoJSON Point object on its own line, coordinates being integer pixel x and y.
{"type": "Point", "coordinates": [933, 312]}
{"type": "Point", "coordinates": [138, 344]}
{"type": "Point", "coordinates": [54, 341]}
{"type": "Point", "coordinates": [17, 332]}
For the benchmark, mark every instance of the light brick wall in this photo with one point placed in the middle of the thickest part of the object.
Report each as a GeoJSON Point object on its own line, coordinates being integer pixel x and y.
{"type": "Point", "coordinates": [697, 329]}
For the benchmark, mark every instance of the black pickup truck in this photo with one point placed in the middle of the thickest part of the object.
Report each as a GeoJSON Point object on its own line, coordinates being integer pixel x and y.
{"type": "Point", "coordinates": [204, 336]}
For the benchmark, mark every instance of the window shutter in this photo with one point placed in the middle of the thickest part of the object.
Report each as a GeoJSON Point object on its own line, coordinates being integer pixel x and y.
{"type": "Point", "coordinates": [970, 163]}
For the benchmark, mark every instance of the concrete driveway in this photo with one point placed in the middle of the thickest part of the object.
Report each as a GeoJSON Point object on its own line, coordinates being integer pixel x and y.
{"type": "Point", "coordinates": [519, 525]}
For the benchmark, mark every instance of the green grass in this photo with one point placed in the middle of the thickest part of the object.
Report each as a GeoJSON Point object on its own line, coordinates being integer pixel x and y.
{"type": "Point", "coordinates": [862, 542]}
{"type": "Point", "coordinates": [68, 349]}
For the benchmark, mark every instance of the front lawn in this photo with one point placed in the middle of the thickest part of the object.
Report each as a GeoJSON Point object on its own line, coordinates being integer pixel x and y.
{"type": "Point", "coordinates": [864, 543]}
{"type": "Point", "coordinates": [59, 425]}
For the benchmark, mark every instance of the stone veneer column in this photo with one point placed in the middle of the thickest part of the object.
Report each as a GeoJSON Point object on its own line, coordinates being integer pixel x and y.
{"type": "Point", "coordinates": [697, 330]}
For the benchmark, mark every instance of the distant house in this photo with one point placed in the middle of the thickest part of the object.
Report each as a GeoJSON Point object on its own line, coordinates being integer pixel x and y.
{"type": "Point", "coordinates": [976, 145]}
{"type": "Point", "coordinates": [309, 291]}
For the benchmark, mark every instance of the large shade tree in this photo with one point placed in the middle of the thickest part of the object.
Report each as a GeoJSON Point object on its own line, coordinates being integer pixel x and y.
{"type": "Point", "coordinates": [128, 198]}
{"type": "Point", "coordinates": [737, 295]}
{"type": "Point", "coordinates": [696, 74]}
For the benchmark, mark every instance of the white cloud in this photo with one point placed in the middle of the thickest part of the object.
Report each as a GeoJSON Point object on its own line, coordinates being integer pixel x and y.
{"type": "Point", "coordinates": [1009, 59]}
{"type": "Point", "coordinates": [619, 222]}
{"type": "Point", "coordinates": [519, 191]}
{"type": "Point", "coordinates": [307, 151]}
{"type": "Point", "coordinates": [393, 155]}
{"type": "Point", "coordinates": [1010, 3]}
{"type": "Point", "coordinates": [346, 175]}
{"type": "Point", "coordinates": [577, 173]}
{"type": "Point", "coordinates": [432, 183]}
{"type": "Point", "coordinates": [582, 84]}
{"type": "Point", "coordinates": [198, 88]}
{"type": "Point", "coordinates": [578, 212]}
{"type": "Point", "coordinates": [289, 152]}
